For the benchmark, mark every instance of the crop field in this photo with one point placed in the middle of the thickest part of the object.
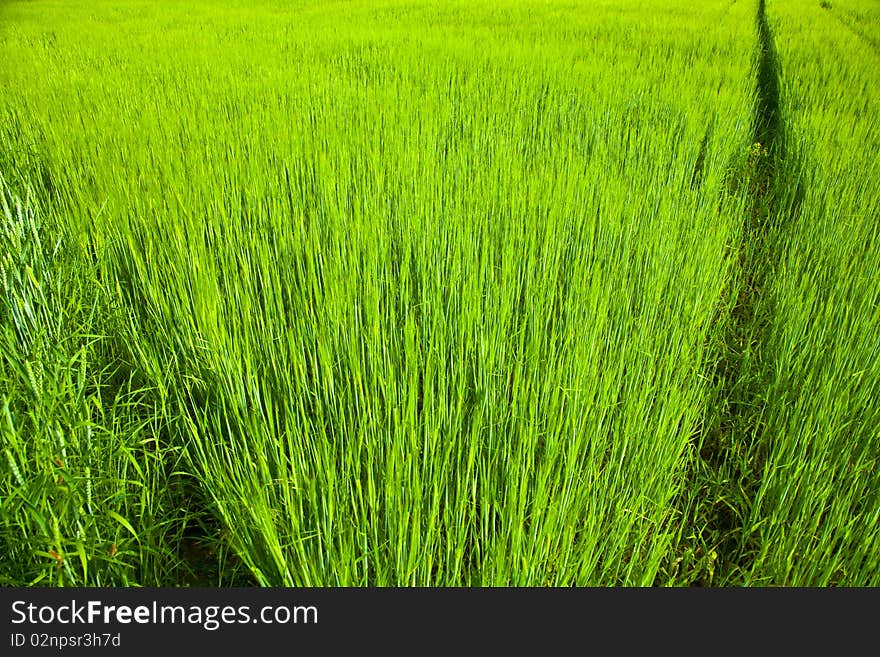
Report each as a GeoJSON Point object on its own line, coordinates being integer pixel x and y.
{"type": "Point", "coordinates": [412, 293]}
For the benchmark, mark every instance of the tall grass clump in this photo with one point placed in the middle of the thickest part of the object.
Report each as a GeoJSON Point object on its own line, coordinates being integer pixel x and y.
{"type": "Point", "coordinates": [81, 496]}
{"type": "Point", "coordinates": [397, 293]}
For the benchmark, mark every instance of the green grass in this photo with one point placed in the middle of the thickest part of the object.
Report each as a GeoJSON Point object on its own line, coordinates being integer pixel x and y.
{"type": "Point", "coordinates": [405, 293]}
{"type": "Point", "coordinates": [813, 519]}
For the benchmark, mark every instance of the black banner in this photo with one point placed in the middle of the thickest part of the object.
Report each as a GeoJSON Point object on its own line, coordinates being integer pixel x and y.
{"type": "Point", "coordinates": [412, 621]}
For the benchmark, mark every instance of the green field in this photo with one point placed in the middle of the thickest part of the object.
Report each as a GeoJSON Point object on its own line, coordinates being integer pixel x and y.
{"type": "Point", "coordinates": [411, 293]}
